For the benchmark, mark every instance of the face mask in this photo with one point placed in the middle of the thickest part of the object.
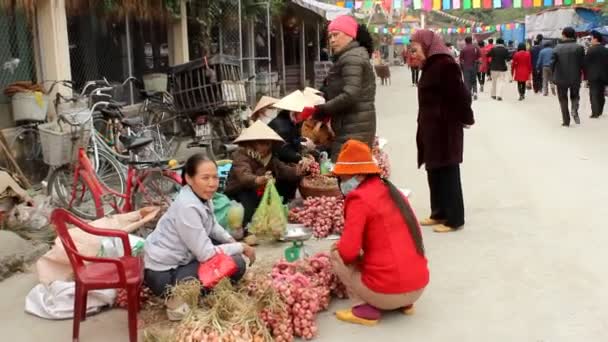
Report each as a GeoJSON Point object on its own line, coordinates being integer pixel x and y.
{"type": "Point", "coordinates": [347, 186]}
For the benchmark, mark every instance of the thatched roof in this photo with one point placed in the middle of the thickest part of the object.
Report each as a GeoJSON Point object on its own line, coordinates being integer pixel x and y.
{"type": "Point", "coordinates": [138, 8]}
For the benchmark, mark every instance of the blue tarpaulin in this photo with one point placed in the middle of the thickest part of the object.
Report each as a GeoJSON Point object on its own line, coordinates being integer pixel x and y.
{"type": "Point", "coordinates": [517, 35]}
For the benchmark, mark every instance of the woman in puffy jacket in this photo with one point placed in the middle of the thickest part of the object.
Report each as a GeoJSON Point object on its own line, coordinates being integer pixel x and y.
{"type": "Point", "coordinates": [350, 87]}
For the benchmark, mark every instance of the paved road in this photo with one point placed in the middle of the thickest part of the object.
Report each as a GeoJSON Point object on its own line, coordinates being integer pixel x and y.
{"type": "Point", "coordinates": [529, 265]}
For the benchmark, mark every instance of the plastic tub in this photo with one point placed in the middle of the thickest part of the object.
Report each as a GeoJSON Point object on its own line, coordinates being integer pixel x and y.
{"type": "Point", "coordinates": [29, 106]}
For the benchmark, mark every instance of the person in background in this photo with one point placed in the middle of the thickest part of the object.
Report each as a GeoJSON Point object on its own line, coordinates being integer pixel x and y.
{"type": "Point", "coordinates": [444, 111]}
{"type": "Point", "coordinates": [489, 48]}
{"type": "Point", "coordinates": [545, 64]}
{"type": "Point", "coordinates": [568, 62]}
{"type": "Point", "coordinates": [287, 126]}
{"type": "Point", "coordinates": [380, 255]}
{"type": "Point", "coordinates": [522, 69]}
{"type": "Point", "coordinates": [499, 57]}
{"type": "Point", "coordinates": [351, 85]}
{"type": "Point", "coordinates": [253, 164]}
{"type": "Point", "coordinates": [468, 61]}
{"type": "Point", "coordinates": [188, 234]}
{"type": "Point", "coordinates": [596, 72]}
{"type": "Point", "coordinates": [415, 71]}
{"type": "Point", "coordinates": [453, 50]}
{"type": "Point", "coordinates": [537, 74]}
{"type": "Point", "coordinates": [483, 65]}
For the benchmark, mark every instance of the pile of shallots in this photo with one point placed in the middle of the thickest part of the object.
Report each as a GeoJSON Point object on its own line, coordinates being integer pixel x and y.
{"type": "Point", "coordinates": [305, 287]}
{"type": "Point", "coordinates": [324, 215]}
{"type": "Point", "coordinates": [382, 159]}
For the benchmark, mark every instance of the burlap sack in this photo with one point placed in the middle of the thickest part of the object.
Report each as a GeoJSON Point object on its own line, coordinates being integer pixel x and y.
{"type": "Point", "coordinates": [55, 265]}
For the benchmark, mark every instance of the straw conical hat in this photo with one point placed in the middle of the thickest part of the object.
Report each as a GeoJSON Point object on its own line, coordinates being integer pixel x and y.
{"type": "Point", "coordinates": [258, 131]}
{"type": "Point", "coordinates": [294, 102]}
{"type": "Point", "coordinates": [265, 101]}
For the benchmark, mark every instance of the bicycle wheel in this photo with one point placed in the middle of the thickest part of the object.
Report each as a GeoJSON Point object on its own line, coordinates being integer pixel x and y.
{"type": "Point", "coordinates": [156, 189]}
{"type": "Point", "coordinates": [77, 197]}
{"type": "Point", "coordinates": [28, 154]}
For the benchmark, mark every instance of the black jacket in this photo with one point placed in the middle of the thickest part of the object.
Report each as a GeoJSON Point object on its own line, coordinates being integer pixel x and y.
{"type": "Point", "coordinates": [444, 108]}
{"type": "Point", "coordinates": [500, 56]}
{"type": "Point", "coordinates": [596, 64]}
{"type": "Point", "coordinates": [568, 59]}
{"type": "Point", "coordinates": [350, 94]}
{"type": "Point", "coordinates": [290, 151]}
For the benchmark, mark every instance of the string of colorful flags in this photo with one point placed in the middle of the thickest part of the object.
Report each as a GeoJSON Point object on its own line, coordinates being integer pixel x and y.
{"type": "Point", "coordinates": [428, 5]}
{"type": "Point", "coordinates": [398, 30]}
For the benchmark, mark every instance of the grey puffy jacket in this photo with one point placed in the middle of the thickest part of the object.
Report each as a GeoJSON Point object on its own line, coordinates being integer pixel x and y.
{"type": "Point", "coordinates": [350, 92]}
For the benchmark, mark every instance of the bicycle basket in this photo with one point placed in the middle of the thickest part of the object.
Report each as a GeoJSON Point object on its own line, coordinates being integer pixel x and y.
{"type": "Point", "coordinates": [60, 142]}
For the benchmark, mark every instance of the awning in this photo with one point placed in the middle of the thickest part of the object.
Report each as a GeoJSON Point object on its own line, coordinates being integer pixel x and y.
{"type": "Point", "coordinates": [327, 11]}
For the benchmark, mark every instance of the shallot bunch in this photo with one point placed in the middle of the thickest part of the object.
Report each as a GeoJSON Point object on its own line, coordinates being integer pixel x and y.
{"type": "Point", "coordinates": [324, 215]}
{"type": "Point", "coordinates": [323, 276]}
{"type": "Point", "coordinates": [314, 169]}
{"type": "Point", "coordinates": [382, 159]}
{"type": "Point", "coordinates": [279, 323]}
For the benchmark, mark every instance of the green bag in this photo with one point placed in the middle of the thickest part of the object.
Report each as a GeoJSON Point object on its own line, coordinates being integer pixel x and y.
{"type": "Point", "coordinates": [221, 206]}
{"type": "Point", "coordinates": [269, 219]}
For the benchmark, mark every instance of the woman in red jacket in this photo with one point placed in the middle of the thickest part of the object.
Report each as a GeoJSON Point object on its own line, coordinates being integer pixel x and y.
{"type": "Point", "coordinates": [380, 256]}
{"type": "Point", "coordinates": [522, 69]}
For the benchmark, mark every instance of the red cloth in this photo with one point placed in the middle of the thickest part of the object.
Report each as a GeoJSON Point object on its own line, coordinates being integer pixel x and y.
{"type": "Point", "coordinates": [489, 48]}
{"type": "Point", "coordinates": [521, 66]}
{"type": "Point", "coordinates": [390, 263]}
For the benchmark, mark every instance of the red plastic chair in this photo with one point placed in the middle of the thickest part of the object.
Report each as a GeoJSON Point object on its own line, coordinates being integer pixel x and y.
{"type": "Point", "coordinates": [100, 273]}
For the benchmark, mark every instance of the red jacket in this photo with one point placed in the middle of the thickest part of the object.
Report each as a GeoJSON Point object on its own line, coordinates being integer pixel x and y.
{"type": "Point", "coordinates": [484, 60]}
{"type": "Point", "coordinates": [521, 66]}
{"type": "Point", "coordinates": [374, 225]}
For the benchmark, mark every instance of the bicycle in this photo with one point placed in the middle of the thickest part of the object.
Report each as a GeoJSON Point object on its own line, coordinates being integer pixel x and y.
{"type": "Point", "coordinates": [148, 183]}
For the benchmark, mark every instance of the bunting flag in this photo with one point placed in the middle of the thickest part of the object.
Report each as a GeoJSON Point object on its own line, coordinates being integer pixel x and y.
{"type": "Point", "coordinates": [438, 5]}
{"type": "Point", "coordinates": [340, 3]}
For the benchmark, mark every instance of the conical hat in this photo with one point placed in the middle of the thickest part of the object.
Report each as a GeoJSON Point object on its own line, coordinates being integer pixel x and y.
{"type": "Point", "coordinates": [258, 131]}
{"type": "Point", "coordinates": [294, 102]}
{"type": "Point", "coordinates": [265, 101]}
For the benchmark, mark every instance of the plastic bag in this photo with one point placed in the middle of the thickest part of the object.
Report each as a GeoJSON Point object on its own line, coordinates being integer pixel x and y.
{"type": "Point", "coordinates": [269, 219]}
{"type": "Point", "coordinates": [229, 214]}
{"type": "Point", "coordinates": [111, 247]}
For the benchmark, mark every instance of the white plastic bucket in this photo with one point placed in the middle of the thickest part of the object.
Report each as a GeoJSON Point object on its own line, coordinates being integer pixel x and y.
{"type": "Point", "coordinates": [30, 106]}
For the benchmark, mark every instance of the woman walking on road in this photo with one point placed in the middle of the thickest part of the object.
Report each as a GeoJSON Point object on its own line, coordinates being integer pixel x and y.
{"type": "Point", "coordinates": [444, 111]}
{"type": "Point", "coordinates": [484, 64]}
{"type": "Point", "coordinates": [351, 85]}
{"type": "Point", "coordinates": [522, 69]}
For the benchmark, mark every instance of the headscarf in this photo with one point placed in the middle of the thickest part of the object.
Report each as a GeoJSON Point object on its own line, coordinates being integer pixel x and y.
{"type": "Point", "coordinates": [432, 43]}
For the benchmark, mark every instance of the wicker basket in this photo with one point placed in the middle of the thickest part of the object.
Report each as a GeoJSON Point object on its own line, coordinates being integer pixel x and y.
{"type": "Point", "coordinates": [308, 190]}
{"type": "Point", "coordinates": [60, 142]}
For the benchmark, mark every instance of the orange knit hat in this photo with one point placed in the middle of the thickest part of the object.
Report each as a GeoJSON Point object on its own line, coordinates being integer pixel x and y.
{"type": "Point", "coordinates": [355, 159]}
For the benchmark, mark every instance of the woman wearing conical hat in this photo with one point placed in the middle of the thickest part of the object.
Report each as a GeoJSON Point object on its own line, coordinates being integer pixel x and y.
{"type": "Point", "coordinates": [253, 164]}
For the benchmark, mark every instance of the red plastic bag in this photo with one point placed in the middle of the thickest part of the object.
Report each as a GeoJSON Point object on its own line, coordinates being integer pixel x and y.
{"type": "Point", "coordinates": [215, 269]}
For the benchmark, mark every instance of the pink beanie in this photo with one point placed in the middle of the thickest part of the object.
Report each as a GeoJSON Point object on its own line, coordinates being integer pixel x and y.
{"type": "Point", "coordinates": [346, 24]}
